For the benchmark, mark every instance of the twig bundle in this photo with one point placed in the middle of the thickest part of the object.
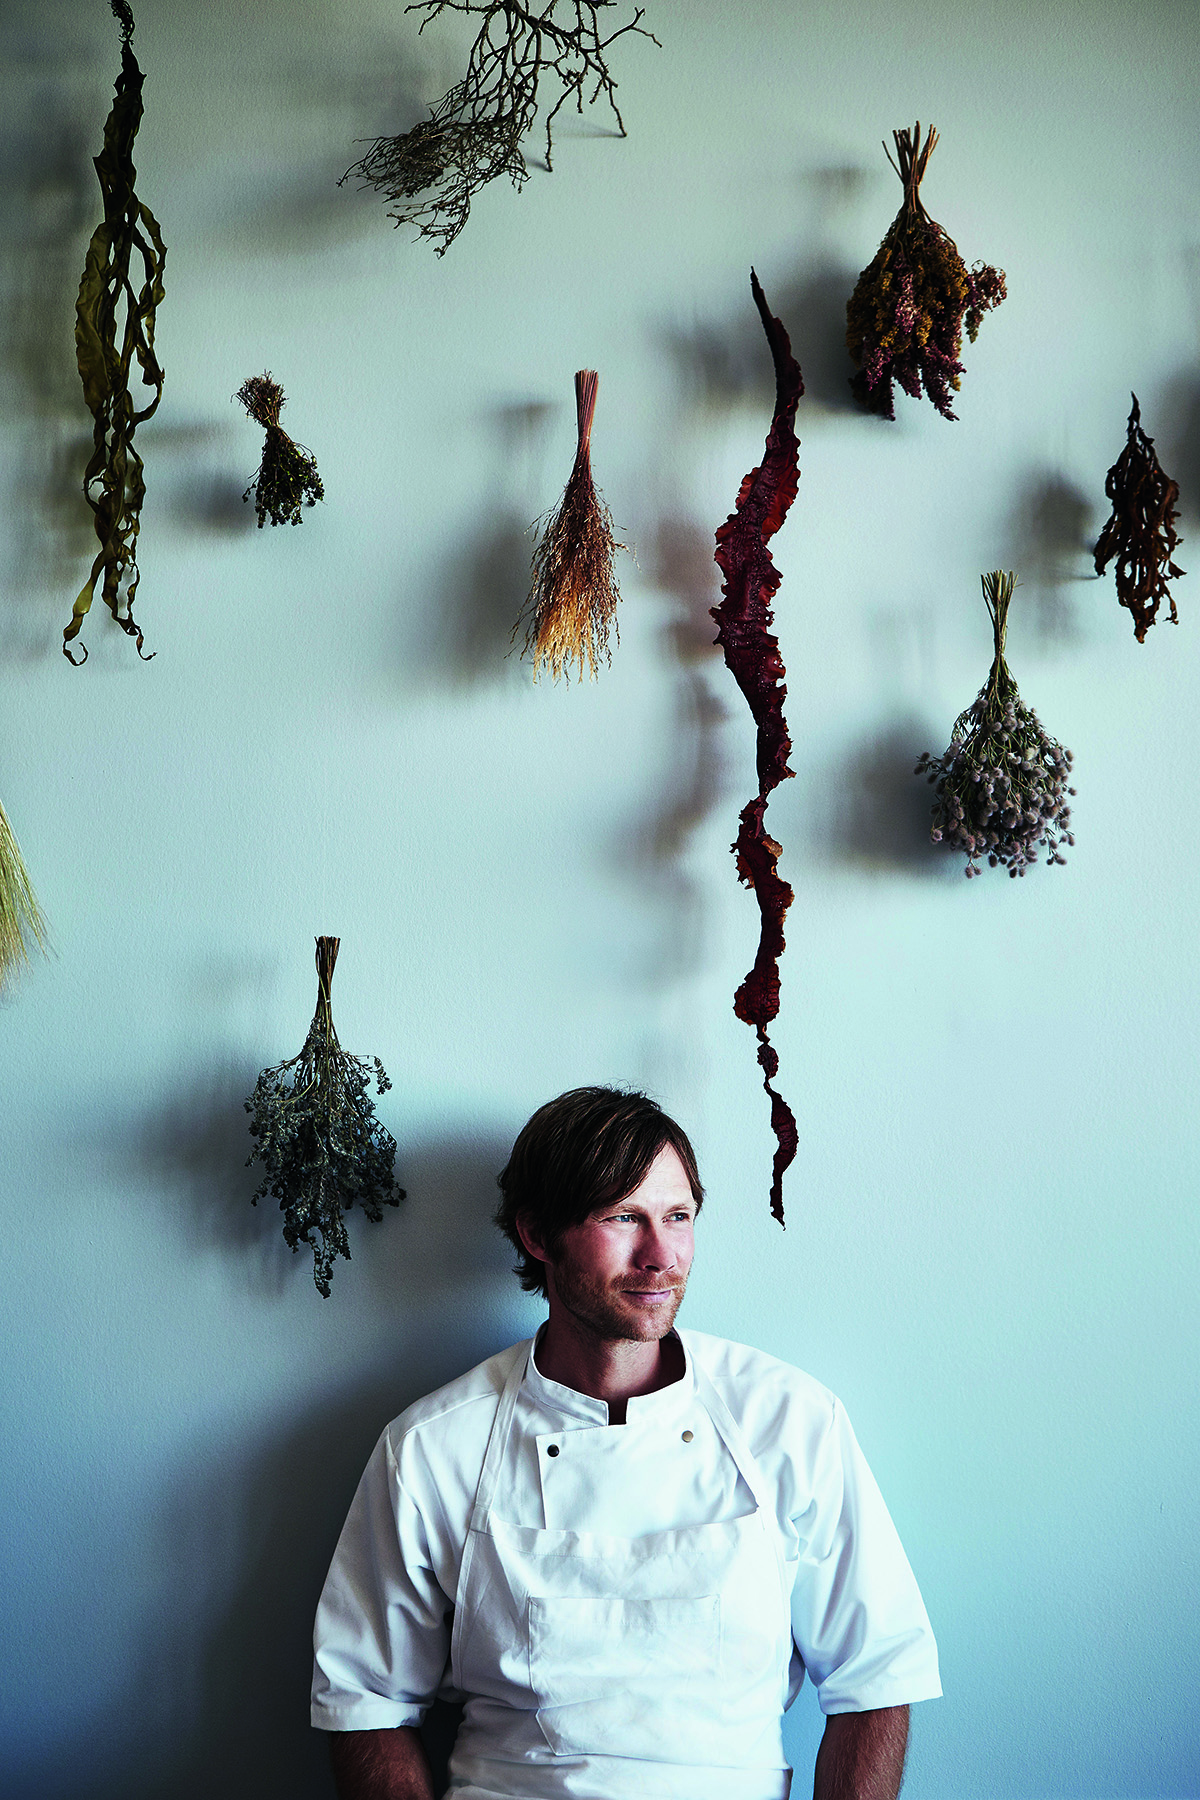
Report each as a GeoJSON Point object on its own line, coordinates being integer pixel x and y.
{"type": "Point", "coordinates": [287, 479]}
{"type": "Point", "coordinates": [573, 601]}
{"type": "Point", "coordinates": [906, 316]}
{"type": "Point", "coordinates": [1001, 786]}
{"type": "Point", "coordinates": [318, 1137]}
{"type": "Point", "coordinates": [1141, 532]}
{"type": "Point", "coordinates": [21, 919]}
{"type": "Point", "coordinates": [113, 484]}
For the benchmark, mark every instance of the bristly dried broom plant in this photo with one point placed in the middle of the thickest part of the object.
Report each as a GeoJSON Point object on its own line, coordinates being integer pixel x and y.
{"type": "Point", "coordinates": [906, 316]}
{"type": "Point", "coordinates": [1141, 533]}
{"type": "Point", "coordinates": [21, 919]}
{"type": "Point", "coordinates": [573, 601]}
{"type": "Point", "coordinates": [113, 483]}
{"type": "Point", "coordinates": [287, 479]}
{"type": "Point", "coordinates": [318, 1137]}
{"type": "Point", "coordinates": [474, 133]}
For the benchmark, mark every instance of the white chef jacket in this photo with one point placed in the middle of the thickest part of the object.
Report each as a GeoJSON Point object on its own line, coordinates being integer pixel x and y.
{"type": "Point", "coordinates": [859, 1626]}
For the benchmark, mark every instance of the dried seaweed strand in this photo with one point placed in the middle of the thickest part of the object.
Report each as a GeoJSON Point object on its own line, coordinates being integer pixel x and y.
{"type": "Point", "coordinates": [21, 918]}
{"type": "Point", "coordinates": [744, 620]}
{"type": "Point", "coordinates": [572, 604]}
{"type": "Point", "coordinates": [474, 133]}
{"type": "Point", "coordinates": [906, 316]}
{"type": "Point", "coordinates": [318, 1137]}
{"type": "Point", "coordinates": [113, 483]}
{"type": "Point", "coordinates": [1141, 532]}
{"type": "Point", "coordinates": [287, 479]}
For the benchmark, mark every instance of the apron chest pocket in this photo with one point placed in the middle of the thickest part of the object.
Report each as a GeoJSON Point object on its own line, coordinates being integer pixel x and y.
{"type": "Point", "coordinates": [620, 1677]}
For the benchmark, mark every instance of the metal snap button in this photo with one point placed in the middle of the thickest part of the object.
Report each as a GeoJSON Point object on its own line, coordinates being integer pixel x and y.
{"type": "Point", "coordinates": [688, 1436]}
{"type": "Point", "coordinates": [551, 1449]}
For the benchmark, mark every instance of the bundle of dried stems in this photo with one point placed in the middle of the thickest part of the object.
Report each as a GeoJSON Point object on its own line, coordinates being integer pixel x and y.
{"type": "Point", "coordinates": [21, 920]}
{"type": "Point", "coordinates": [1141, 532]}
{"type": "Point", "coordinates": [287, 479]}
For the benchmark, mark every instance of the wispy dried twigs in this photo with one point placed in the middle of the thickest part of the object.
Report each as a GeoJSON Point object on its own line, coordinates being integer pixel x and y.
{"type": "Point", "coordinates": [1141, 532]}
{"type": "Point", "coordinates": [287, 479]}
{"type": "Point", "coordinates": [474, 133]}
{"type": "Point", "coordinates": [21, 920]}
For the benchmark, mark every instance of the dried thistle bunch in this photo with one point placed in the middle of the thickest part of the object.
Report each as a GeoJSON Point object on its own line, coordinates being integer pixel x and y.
{"type": "Point", "coordinates": [287, 478]}
{"type": "Point", "coordinates": [21, 918]}
{"type": "Point", "coordinates": [906, 315]}
{"type": "Point", "coordinates": [1141, 532]}
{"type": "Point", "coordinates": [574, 596]}
{"type": "Point", "coordinates": [1001, 786]}
{"type": "Point", "coordinates": [113, 483]}
{"type": "Point", "coordinates": [318, 1138]}
{"type": "Point", "coordinates": [474, 133]}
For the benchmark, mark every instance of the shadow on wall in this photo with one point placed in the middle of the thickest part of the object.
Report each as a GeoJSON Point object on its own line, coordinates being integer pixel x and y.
{"type": "Point", "coordinates": [1051, 535]}
{"type": "Point", "coordinates": [1181, 454]}
{"type": "Point", "coordinates": [876, 814]}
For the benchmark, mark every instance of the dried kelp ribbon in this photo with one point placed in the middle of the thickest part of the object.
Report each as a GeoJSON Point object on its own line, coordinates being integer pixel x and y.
{"type": "Point", "coordinates": [474, 133]}
{"type": "Point", "coordinates": [287, 478]}
{"type": "Point", "coordinates": [318, 1138]}
{"type": "Point", "coordinates": [573, 601]}
{"type": "Point", "coordinates": [744, 620]}
{"type": "Point", "coordinates": [21, 919]}
{"type": "Point", "coordinates": [906, 316]}
{"type": "Point", "coordinates": [113, 483]}
{"type": "Point", "coordinates": [1140, 534]}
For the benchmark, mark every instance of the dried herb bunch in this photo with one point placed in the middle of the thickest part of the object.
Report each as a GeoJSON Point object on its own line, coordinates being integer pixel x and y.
{"type": "Point", "coordinates": [474, 133]}
{"type": "Point", "coordinates": [113, 482]}
{"type": "Point", "coordinates": [906, 316]}
{"type": "Point", "coordinates": [1141, 533]}
{"type": "Point", "coordinates": [21, 919]}
{"type": "Point", "coordinates": [318, 1138]}
{"type": "Point", "coordinates": [1001, 786]}
{"type": "Point", "coordinates": [573, 601]}
{"type": "Point", "coordinates": [287, 479]}
{"type": "Point", "coordinates": [744, 619]}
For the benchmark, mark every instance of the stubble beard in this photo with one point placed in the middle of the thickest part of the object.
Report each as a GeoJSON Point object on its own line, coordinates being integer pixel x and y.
{"type": "Point", "coordinates": [604, 1311]}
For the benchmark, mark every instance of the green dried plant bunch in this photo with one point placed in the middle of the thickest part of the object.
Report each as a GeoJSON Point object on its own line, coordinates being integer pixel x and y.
{"type": "Point", "coordinates": [1140, 534]}
{"type": "Point", "coordinates": [907, 313]}
{"type": "Point", "coordinates": [21, 920]}
{"type": "Point", "coordinates": [287, 479]}
{"type": "Point", "coordinates": [573, 601]}
{"type": "Point", "coordinates": [127, 239]}
{"type": "Point", "coordinates": [430, 175]}
{"type": "Point", "coordinates": [320, 1143]}
{"type": "Point", "coordinates": [1001, 786]}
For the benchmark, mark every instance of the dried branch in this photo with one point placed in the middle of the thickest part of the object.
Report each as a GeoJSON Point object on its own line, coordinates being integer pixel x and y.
{"type": "Point", "coordinates": [1141, 533]}
{"type": "Point", "coordinates": [906, 316]}
{"type": "Point", "coordinates": [113, 483]}
{"type": "Point", "coordinates": [474, 133]}
{"type": "Point", "coordinates": [287, 479]}
{"type": "Point", "coordinates": [744, 620]}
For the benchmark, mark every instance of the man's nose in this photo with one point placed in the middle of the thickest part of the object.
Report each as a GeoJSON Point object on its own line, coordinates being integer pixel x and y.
{"type": "Point", "coordinates": [655, 1249]}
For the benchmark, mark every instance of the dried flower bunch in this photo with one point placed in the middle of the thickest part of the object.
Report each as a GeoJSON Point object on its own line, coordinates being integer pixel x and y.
{"type": "Point", "coordinates": [1141, 532]}
{"type": "Point", "coordinates": [113, 483]}
{"type": "Point", "coordinates": [744, 619]}
{"type": "Point", "coordinates": [318, 1138]}
{"type": "Point", "coordinates": [21, 919]}
{"type": "Point", "coordinates": [573, 601]}
{"type": "Point", "coordinates": [287, 479]}
{"type": "Point", "coordinates": [1001, 786]}
{"type": "Point", "coordinates": [474, 133]}
{"type": "Point", "coordinates": [906, 316]}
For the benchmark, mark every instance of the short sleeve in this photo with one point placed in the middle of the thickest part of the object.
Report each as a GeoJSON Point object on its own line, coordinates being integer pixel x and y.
{"type": "Point", "coordinates": [858, 1619]}
{"type": "Point", "coordinates": [382, 1635]}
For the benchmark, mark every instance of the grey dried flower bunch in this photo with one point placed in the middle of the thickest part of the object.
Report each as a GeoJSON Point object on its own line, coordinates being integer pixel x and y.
{"type": "Point", "coordinates": [318, 1137]}
{"type": "Point", "coordinates": [287, 478]}
{"type": "Point", "coordinates": [1001, 786]}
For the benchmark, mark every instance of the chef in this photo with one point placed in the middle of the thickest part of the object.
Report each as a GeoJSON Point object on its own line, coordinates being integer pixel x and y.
{"type": "Point", "coordinates": [622, 1545]}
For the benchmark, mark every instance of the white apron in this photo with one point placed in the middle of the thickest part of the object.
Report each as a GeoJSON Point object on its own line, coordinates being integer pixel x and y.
{"type": "Point", "coordinates": [616, 1668]}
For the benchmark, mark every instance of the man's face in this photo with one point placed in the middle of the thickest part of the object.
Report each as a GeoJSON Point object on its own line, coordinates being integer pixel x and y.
{"type": "Point", "coordinates": [622, 1272]}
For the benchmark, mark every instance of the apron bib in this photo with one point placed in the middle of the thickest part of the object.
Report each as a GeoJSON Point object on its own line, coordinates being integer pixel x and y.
{"type": "Point", "coordinates": [606, 1666]}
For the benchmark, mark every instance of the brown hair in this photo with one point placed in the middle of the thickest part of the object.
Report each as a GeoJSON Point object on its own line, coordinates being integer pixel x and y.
{"type": "Point", "coordinates": [589, 1148]}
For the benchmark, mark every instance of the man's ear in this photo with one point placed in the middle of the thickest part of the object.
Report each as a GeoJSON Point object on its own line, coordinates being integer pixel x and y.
{"type": "Point", "coordinates": [530, 1241]}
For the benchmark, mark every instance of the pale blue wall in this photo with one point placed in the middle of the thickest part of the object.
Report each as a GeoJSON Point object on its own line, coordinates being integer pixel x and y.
{"type": "Point", "coordinates": [991, 1243]}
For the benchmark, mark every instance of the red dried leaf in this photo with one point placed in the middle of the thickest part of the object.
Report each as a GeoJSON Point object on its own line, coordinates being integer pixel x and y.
{"type": "Point", "coordinates": [744, 620]}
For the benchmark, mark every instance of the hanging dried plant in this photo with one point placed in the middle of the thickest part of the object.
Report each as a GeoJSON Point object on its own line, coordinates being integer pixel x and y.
{"type": "Point", "coordinates": [474, 133]}
{"type": "Point", "coordinates": [287, 479]}
{"type": "Point", "coordinates": [318, 1138]}
{"type": "Point", "coordinates": [113, 483]}
{"type": "Point", "coordinates": [906, 316]}
{"type": "Point", "coordinates": [1001, 786]}
{"type": "Point", "coordinates": [1141, 533]}
{"type": "Point", "coordinates": [21, 920]}
{"type": "Point", "coordinates": [573, 601]}
{"type": "Point", "coordinates": [744, 619]}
